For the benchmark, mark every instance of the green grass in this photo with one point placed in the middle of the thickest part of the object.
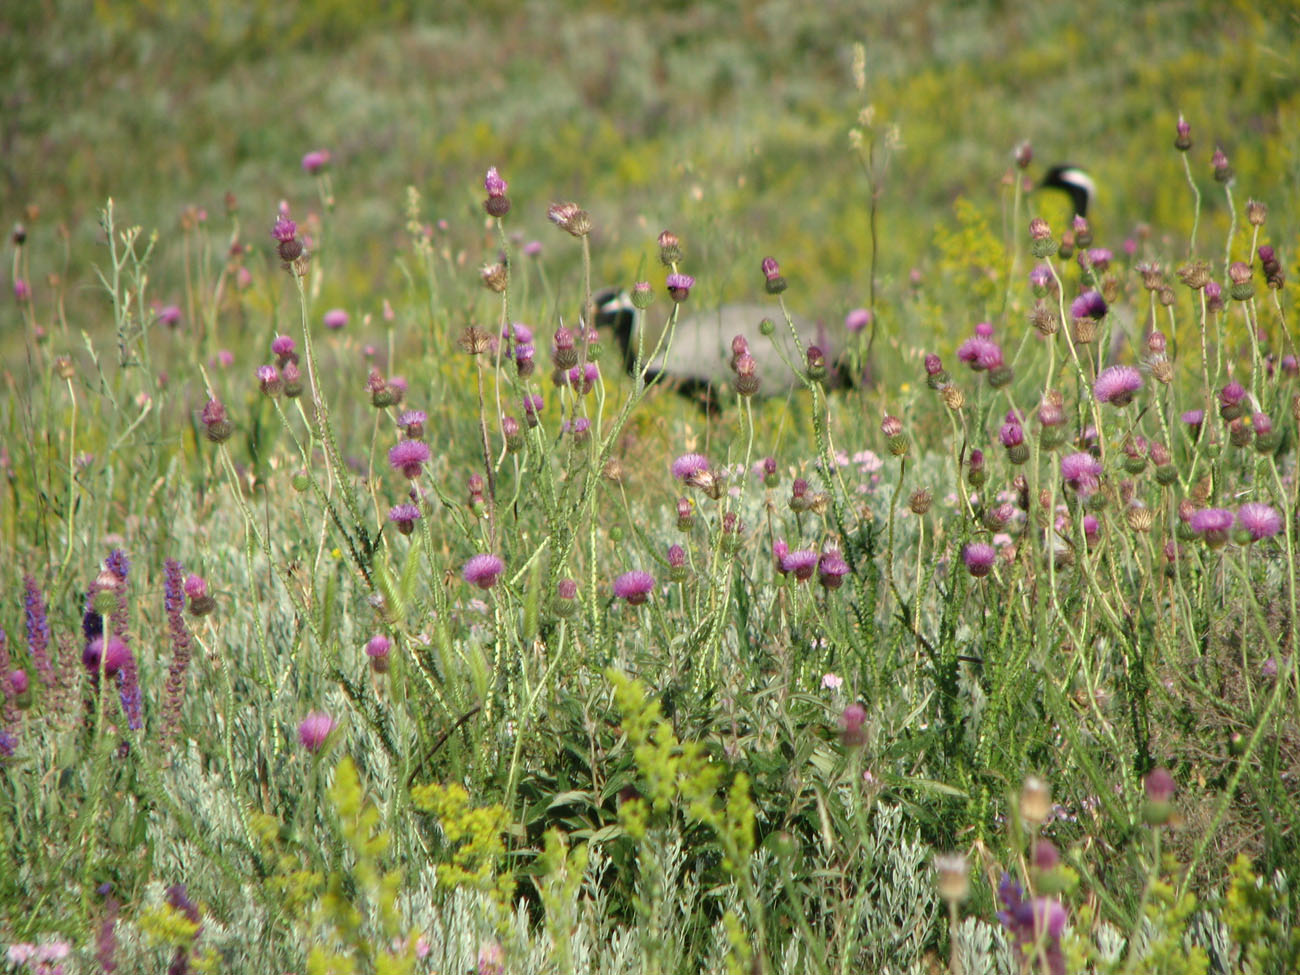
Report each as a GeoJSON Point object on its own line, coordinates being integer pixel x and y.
{"type": "Point", "coordinates": [715, 814]}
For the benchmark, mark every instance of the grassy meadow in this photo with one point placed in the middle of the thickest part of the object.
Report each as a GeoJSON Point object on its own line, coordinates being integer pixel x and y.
{"type": "Point", "coordinates": [361, 613]}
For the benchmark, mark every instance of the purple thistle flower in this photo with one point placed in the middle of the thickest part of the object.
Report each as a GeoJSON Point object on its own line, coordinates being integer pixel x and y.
{"type": "Point", "coordinates": [1194, 419]}
{"type": "Point", "coordinates": [494, 184]}
{"type": "Point", "coordinates": [268, 380]}
{"type": "Point", "coordinates": [283, 347]}
{"type": "Point", "coordinates": [169, 315]}
{"type": "Point", "coordinates": [831, 569]}
{"type": "Point", "coordinates": [1082, 472]}
{"type": "Point", "coordinates": [316, 160]}
{"type": "Point", "coordinates": [404, 516]}
{"type": "Point", "coordinates": [532, 408]}
{"type": "Point", "coordinates": [377, 649]}
{"type": "Point", "coordinates": [314, 729]}
{"type": "Point", "coordinates": [1116, 385]}
{"type": "Point", "coordinates": [38, 630]}
{"type": "Point", "coordinates": [1040, 277]}
{"type": "Point", "coordinates": [980, 353]}
{"type": "Point", "coordinates": [857, 320]}
{"type": "Point", "coordinates": [114, 657]}
{"type": "Point", "coordinates": [1259, 520]}
{"type": "Point", "coordinates": [689, 465]}
{"type": "Point", "coordinates": [409, 457]}
{"type": "Point", "coordinates": [852, 720]}
{"type": "Point", "coordinates": [1090, 304]}
{"type": "Point", "coordinates": [1012, 434]}
{"type": "Point", "coordinates": [979, 558]}
{"type": "Point", "coordinates": [285, 230]}
{"type": "Point", "coordinates": [1036, 924]}
{"type": "Point", "coordinates": [335, 318]}
{"type": "Point", "coordinates": [634, 587]}
{"type": "Point", "coordinates": [1213, 525]}
{"type": "Point", "coordinates": [483, 570]}
{"type": "Point", "coordinates": [800, 564]}
{"type": "Point", "coordinates": [679, 286]}
{"type": "Point", "coordinates": [412, 423]}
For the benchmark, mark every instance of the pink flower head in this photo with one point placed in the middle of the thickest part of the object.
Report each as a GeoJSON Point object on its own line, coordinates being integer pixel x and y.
{"type": "Point", "coordinates": [409, 457]}
{"type": "Point", "coordinates": [483, 570]}
{"type": "Point", "coordinates": [282, 347]}
{"type": "Point", "coordinates": [679, 286]}
{"type": "Point", "coordinates": [195, 587]}
{"type": "Point", "coordinates": [857, 320]}
{"type": "Point", "coordinates": [832, 682]}
{"type": "Point", "coordinates": [980, 353]}
{"type": "Point", "coordinates": [831, 569]}
{"type": "Point", "coordinates": [169, 315]}
{"type": "Point", "coordinates": [634, 587]}
{"type": "Point", "coordinates": [335, 319]}
{"type": "Point", "coordinates": [1212, 524]}
{"type": "Point", "coordinates": [851, 721]}
{"type": "Point", "coordinates": [314, 729]}
{"type": "Point", "coordinates": [1259, 520]}
{"type": "Point", "coordinates": [285, 229]}
{"type": "Point", "coordinates": [316, 160]}
{"type": "Point", "coordinates": [1116, 385]}
{"type": "Point", "coordinates": [800, 564]}
{"type": "Point", "coordinates": [1082, 472]}
{"type": "Point", "coordinates": [979, 558]}
{"type": "Point", "coordinates": [378, 646]}
{"type": "Point", "coordinates": [494, 184]}
{"type": "Point", "coordinates": [689, 465]}
{"type": "Point", "coordinates": [1090, 304]}
{"type": "Point", "coordinates": [115, 656]}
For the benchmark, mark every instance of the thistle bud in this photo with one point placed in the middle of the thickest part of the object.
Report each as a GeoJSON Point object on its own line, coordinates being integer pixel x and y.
{"type": "Point", "coordinates": [1183, 135]}
{"type": "Point", "coordinates": [670, 248]}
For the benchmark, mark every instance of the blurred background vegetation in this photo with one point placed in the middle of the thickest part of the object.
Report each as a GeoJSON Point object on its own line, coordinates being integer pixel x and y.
{"type": "Point", "coordinates": [727, 122]}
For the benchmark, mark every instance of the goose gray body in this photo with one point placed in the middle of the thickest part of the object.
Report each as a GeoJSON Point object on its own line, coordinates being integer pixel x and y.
{"type": "Point", "coordinates": [699, 357]}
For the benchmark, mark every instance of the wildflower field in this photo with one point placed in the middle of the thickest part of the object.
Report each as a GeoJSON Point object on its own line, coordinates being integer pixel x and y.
{"type": "Point", "coordinates": [366, 606]}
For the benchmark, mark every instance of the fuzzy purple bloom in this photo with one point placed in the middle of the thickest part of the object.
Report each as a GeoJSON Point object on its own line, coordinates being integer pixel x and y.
{"type": "Point", "coordinates": [852, 719]}
{"type": "Point", "coordinates": [1212, 524]}
{"type": "Point", "coordinates": [483, 570]}
{"type": "Point", "coordinates": [1035, 924]}
{"type": "Point", "coordinates": [634, 587]}
{"type": "Point", "coordinates": [284, 230]}
{"type": "Point", "coordinates": [409, 457]}
{"type": "Point", "coordinates": [831, 569]}
{"type": "Point", "coordinates": [314, 729]}
{"type": "Point", "coordinates": [1116, 385]}
{"type": "Point", "coordinates": [169, 315]}
{"type": "Point", "coordinates": [679, 286]}
{"type": "Point", "coordinates": [979, 558]}
{"type": "Point", "coordinates": [1090, 304]}
{"type": "Point", "coordinates": [114, 656]}
{"type": "Point", "coordinates": [316, 160]}
{"type": "Point", "coordinates": [689, 465]}
{"type": "Point", "coordinates": [1259, 520]}
{"type": "Point", "coordinates": [282, 347]}
{"type": "Point", "coordinates": [1082, 472]}
{"type": "Point", "coordinates": [335, 318]}
{"type": "Point", "coordinates": [980, 353]}
{"type": "Point", "coordinates": [857, 320]}
{"type": "Point", "coordinates": [404, 516]}
{"type": "Point", "coordinates": [800, 564]}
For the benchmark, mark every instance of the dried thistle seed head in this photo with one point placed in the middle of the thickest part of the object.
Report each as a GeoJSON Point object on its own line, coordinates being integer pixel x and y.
{"type": "Point", "coordinates": [495, 277]}
{"type": "Point", "coordinates": [1196, 274]}
{"type": "Point", "coordinates": [1035, 801]}
{"type": "Point", "coordinates": [475, 340]}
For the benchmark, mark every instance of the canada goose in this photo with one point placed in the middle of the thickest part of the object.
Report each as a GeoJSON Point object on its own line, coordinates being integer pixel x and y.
{"type": "Point", "coordinates": [1074, 181]}
{"type": "Point", "coordinates": [699, 360]}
